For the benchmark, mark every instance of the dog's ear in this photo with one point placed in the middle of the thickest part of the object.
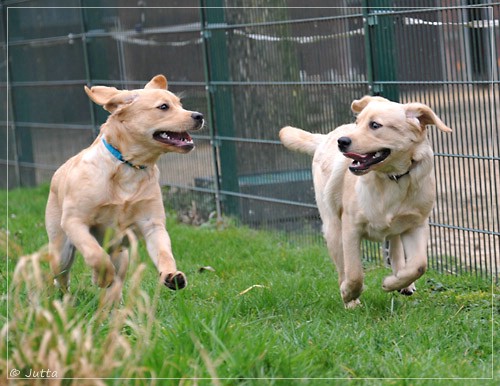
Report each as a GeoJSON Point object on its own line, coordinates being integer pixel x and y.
{"type": "Point", "coordinates": [101, 94]}
{"type": "Point", "coordinates": [120, 100]}
{"type": "Point", "coordinates": [425, 115]}
{"type": "Point", "coordinates": [159, 81]}
{"type": "Point", "coordinates": [359, 104]}
{"type": "Point", "coordinates": [110, 98]}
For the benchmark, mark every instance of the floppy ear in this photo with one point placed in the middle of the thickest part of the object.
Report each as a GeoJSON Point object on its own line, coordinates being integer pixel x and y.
{"type": "Point", "coordinates": [101, 94]}
{"type": "Point", "coordinates": [359, 104]}
{"type": "Point", "coordinates": [119, 100]}
{"type": "Point", "coordinates": [425, 115]}
{"type": "Point", "coordinates": [159, 81]}
{"type": "Point", "coordinates": [110, 98]}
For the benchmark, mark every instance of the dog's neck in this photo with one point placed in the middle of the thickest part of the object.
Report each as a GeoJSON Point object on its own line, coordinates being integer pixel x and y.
{"type": "Point", "coordinates": [128, 151]}
{"type": "Point", "coordinates": [119, 156]}
{"type": "Point", "coordinates": [397, 177]}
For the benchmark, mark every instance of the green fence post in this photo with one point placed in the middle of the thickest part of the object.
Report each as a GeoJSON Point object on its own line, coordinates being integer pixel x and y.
{"type": "Point", "coordinates": [381, 49]}
{"type": "Point", "coordinates": [217, 70]}
{"type": "Point", "coordinates": [20, 112]}
{"type": "Point", "coordinates": [9, 151]}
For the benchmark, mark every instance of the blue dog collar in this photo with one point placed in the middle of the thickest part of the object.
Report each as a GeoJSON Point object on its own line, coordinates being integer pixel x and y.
{"type": "Point", "coordinates": [116, 153]}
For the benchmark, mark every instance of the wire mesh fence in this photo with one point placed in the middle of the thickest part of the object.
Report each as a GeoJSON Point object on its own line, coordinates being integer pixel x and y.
{"type": "Point", "coordinates": [253, 70]}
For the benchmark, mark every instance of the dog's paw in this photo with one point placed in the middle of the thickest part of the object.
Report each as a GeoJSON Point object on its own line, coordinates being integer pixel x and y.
{"type": "Point", "coordinates": [351, 290]}
{"type": "Point", "coordinates": [393, 283]}
{"type": "Point", "coordinates": [408, 291]}
{"type": "Point", "coordinates": [174, 281]}
{"type": "Point", "coordinates": [352, 304]}
{"type": "Point", "coordinates": [61, 286]}
{"type": "Point", "coordinates": [390, 283]}
{"type": "Point", "coordinates": [104, 275]}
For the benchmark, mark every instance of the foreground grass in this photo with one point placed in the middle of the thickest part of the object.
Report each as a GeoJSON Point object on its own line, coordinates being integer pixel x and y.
{"type": "Point", "coordinates": [268, 311]}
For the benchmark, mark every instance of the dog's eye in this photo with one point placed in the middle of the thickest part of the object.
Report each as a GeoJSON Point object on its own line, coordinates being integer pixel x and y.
{"type": "Point", "coordinates": [163, 107]}
{"type": "Point", "coordinates": [375, 125]}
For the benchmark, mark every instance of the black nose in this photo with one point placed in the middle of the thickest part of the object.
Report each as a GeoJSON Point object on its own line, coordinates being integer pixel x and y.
{"type": "Point", "coordinates": [197, 116]}
{"type": "Point", "coordinates": [344, 143]}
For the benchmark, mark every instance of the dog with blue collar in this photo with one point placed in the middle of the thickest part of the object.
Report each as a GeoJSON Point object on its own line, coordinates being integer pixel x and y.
{"type": "Point", "coordinates": [114, 185]}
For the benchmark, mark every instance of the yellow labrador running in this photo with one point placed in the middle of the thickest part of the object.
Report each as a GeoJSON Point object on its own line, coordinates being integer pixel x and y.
{"type": "Point", "coordinates": [374, 179]}
{"type": "Point", "coordinates": [114, 184]}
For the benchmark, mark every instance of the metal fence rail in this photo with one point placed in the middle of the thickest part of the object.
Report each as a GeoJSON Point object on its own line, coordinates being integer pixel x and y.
{"type": "Point", "coordinates": [252, 71]}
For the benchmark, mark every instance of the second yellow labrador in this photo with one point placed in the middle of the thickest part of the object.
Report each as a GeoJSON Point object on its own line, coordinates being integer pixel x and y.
{"type": "Point", "coordinates": [113, 184]}
{"type": "Point", "coordinates": [374, 179]}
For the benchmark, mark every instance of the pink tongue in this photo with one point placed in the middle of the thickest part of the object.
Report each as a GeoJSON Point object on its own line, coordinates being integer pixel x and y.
{"type": "Point", "coordinates": [358, 157]}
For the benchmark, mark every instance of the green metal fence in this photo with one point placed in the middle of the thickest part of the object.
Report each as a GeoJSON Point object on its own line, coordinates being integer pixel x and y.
{"type": "Point", "coordinates": [253, 70]}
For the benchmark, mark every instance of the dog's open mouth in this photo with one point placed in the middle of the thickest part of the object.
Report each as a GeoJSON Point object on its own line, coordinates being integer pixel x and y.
{"type": "Point", "coordinates": [182, 140]}
{"type": "Point", "coordinates": [362, 162]}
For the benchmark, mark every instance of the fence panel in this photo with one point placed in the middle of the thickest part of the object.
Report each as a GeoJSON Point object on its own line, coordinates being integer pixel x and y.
{"type": "Point", "coordinates": [253, 71]}
{"type": "Point", "coordinates": [304, 71]}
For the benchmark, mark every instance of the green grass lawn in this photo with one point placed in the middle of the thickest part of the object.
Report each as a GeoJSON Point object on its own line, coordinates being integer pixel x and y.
{"type": "Point", "coordinates": [269, 311]}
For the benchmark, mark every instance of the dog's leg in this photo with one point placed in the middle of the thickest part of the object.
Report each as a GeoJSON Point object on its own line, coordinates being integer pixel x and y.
{"type": "Point", "coordinates": [414, 243]}
{"type": "Point", "coordinates": [332, 233]}
{"type": "Point", "coordinates": [61, 250]}
{"type": "Point", "coordinates": [352, 285]}
{"type": "Point", "coordinates": [95, 256]}
{"type": "Point", "coordinates": [160, 251]}
{"type": "Point", "coordinates": [62, 254]}
{"type": "Point", "coordinates": [397, 259]}
{"type": "Point", "coordinates": [334, 245]}
{"type": "Point", "coordinates": [119, 256]}
{"type": "Point", "coordinates": [120, 260]}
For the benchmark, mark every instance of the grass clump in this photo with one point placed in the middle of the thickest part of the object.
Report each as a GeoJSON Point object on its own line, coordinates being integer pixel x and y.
{"type": "Point", "coordinates": [268, 313]}
{"type": "Point", "coordinates": [50, 336]}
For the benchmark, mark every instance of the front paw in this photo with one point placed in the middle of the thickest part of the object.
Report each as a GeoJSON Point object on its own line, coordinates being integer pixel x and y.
{"type": "Point", "coordinates": [352, 304]}
{"type": "Point", "coordinates": [351, 290]}
{"type": "Point", "coordinates": [174, 281]}
{"type": "Point", "coordinates": [104, 275]}
{"type": "Point", "coordinates": [408, 291]}
{"type": "Point", "coordinates": [391, 283]}
{"type": "Point", "coordinates": [394, 283]}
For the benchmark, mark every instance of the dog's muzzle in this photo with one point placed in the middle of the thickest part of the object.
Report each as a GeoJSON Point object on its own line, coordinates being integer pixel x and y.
{"type": "Point", "coordinates": [361, 163]}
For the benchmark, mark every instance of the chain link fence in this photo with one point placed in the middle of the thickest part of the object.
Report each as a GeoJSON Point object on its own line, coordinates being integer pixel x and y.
{"type": "Point", "coordinates": [253, 67]}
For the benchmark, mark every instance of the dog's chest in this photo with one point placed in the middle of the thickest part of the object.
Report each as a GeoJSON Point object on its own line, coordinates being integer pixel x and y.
{"type": "Point", "coordinates": [380, 227]}
{"type": "Point", "coordinates": [120, 215]}
{"type": "Point", "coordinates": [390, 214]}
{"type": "Point", "coordinates": [122, 204]}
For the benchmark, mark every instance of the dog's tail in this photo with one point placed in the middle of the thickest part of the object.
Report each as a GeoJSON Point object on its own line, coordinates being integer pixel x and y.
{"type": "Point", "coordinates": [300, 140]}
